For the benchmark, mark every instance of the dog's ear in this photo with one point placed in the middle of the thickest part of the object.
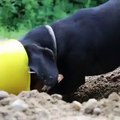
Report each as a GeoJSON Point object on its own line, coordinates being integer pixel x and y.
{"type": "Point", "coordinates": [42, 62]}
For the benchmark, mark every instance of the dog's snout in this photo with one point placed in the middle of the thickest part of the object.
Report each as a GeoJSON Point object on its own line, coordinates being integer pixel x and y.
{"type": "Point", "coordinates": [50, 81]}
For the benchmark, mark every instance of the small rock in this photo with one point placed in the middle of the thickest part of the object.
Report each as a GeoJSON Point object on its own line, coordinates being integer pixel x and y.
{"type": "Point", "coordinates": [56, 96]}
{"type": "Point", "coordinates": [19, 105]}
{"type": "Point", "coordinates": [116, 117]}
{"type": "Point", "coordinates": [44, 115]}
{"type": "Point", "coordinates": [97, 111]}
{"type": "Point", "coordinates": [90, 105]}
{"type": "Point", "coordinates": [76, 105]}
{"type": "Point", "coordinates": [114, 97]}
{"type": "Point", "coordinates": [3, 94]}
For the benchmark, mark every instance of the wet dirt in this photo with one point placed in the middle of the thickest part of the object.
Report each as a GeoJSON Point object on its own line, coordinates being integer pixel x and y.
{"type": "Point", "coordinates": [99, 86]}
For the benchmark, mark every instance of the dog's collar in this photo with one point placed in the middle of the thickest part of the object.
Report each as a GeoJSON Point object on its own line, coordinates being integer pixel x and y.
{"type": "Point", "coordinates": [52, 34]}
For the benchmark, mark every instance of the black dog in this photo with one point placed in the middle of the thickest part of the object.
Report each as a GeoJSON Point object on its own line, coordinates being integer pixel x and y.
{"type": "Point", "coordinates": [88, 43]}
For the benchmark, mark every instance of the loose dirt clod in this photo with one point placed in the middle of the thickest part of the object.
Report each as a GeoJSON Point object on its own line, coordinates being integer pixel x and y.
{"type": "Point", "coordinates": [96, 111]}
{"type": "Point", "coordinates": [19, 105]}
{"type": "Point", "coordinates": [3, 94]}
{"type": "Point", "coordinates": [76, 105]}
{"type": "Point", "coordinates": [90, 106]}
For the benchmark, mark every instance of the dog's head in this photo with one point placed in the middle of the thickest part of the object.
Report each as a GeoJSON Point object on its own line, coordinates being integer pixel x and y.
{"type": "Point", "coordinates": [43, 64]}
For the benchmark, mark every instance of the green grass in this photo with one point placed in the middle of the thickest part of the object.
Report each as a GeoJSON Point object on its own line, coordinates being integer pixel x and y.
{"type": "Point", "coordinates": [5, 34]}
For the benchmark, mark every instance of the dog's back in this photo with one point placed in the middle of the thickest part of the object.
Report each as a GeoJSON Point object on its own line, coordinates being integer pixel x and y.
{"type": "Point", "coordinates": [91, 37]}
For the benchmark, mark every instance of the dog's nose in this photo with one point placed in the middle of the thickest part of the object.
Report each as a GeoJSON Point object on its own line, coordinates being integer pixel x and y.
{"type": "Point", "coordinates": [50, 81]}
{"type": "Point", "coordinates": [48, 84]}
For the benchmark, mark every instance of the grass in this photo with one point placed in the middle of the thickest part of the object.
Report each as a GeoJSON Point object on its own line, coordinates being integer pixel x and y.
{"type": "Point", "coordinates": [5, 34]}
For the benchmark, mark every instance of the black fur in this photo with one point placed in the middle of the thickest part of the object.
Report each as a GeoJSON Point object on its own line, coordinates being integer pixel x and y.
{"type": "Point", "coordinates": [88, 43]}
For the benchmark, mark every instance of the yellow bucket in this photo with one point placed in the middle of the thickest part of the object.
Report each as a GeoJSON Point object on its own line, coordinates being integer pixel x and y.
{"type": "Point", "coordinates": [14, 70]}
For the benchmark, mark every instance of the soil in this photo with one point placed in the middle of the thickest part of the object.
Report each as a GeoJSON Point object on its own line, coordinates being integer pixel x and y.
{"type": "Point", "coordinates": [97, 99]}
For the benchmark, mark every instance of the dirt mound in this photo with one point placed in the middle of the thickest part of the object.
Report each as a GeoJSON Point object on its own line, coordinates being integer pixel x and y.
{"type": "Point", "coordinates": [96, 97]}
{"type": "Point", "coordinates": [98, 86]}
{"type": "Point", "coordinates": [40, 106]}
